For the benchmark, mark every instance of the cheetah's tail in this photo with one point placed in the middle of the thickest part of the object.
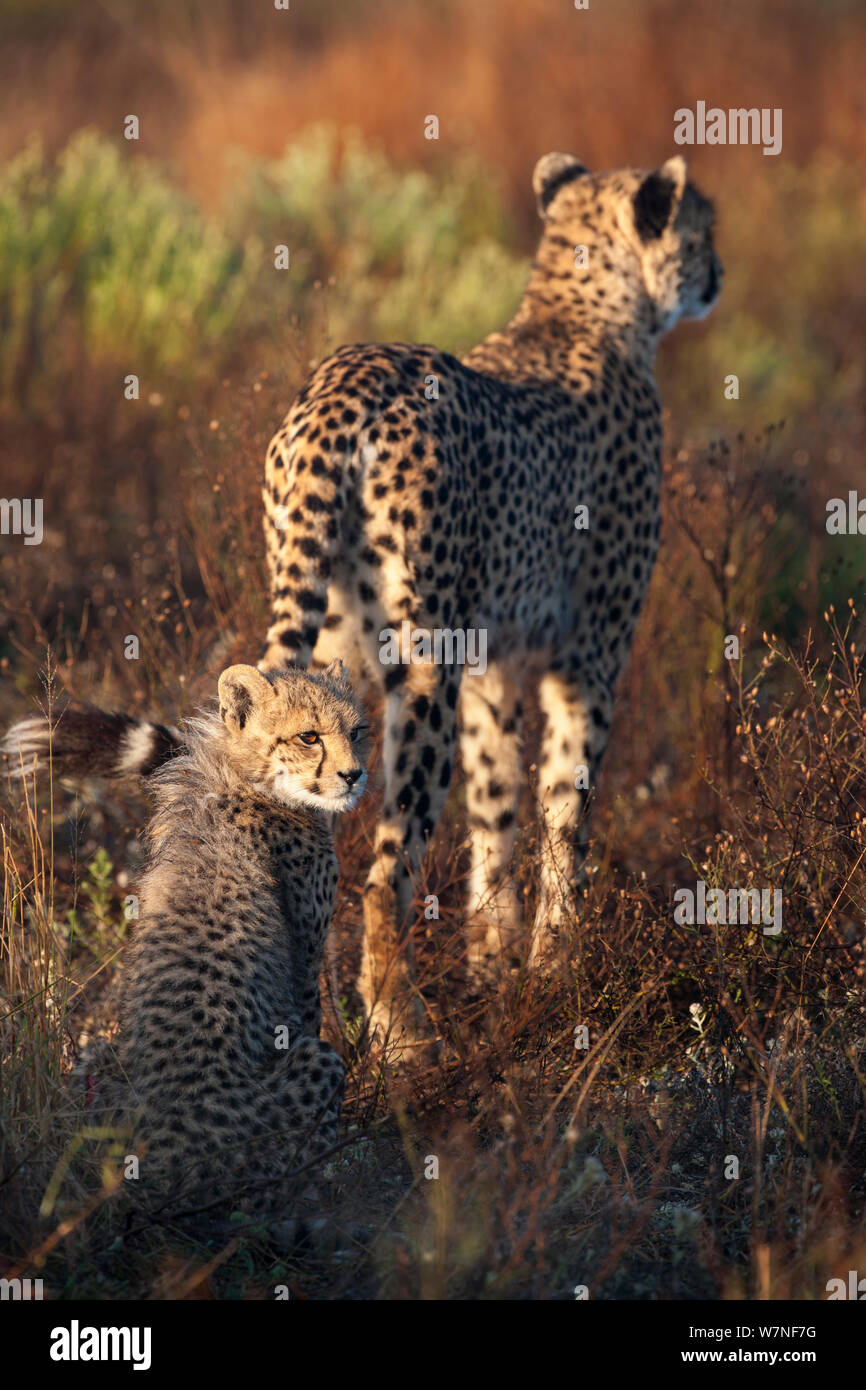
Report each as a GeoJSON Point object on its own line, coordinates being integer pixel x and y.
{"type": "Point", "coordinates": [88, 742]}
{"type": "Point", "coordinates": [304, 497]}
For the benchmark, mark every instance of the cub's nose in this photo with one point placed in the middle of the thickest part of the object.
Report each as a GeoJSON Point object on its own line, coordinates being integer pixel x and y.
{"type": "Point", "coordinates": [350, 777]}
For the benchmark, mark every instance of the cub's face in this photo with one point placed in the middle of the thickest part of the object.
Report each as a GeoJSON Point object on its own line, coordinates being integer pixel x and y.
{"type": "Point", "coordinates": [650, 228]}
{"type": "Point", "coordinates": [297, 736]}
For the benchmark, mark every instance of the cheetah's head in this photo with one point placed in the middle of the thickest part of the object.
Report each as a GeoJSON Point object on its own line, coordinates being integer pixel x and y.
{"type": "Point", "coordinates": [653, 228]}
{"type": "Point", "coordinates": [298, 736]}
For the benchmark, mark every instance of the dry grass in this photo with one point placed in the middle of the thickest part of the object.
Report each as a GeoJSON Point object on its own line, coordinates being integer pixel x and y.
{"type": "Point", "coordinates": [557, 1167]}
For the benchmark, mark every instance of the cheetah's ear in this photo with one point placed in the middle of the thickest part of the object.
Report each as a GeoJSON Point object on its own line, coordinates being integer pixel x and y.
{"type": "Point", "coordinates": [659, 196]}
{"type": "Point", "coordinates": [336, 672]}
{"type": "Point", "coordinates": [241, 690]}
{"type": "Point", "coordinates": [549, 175]}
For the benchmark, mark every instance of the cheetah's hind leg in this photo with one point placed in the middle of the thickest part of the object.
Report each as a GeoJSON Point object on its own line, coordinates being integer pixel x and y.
{"type": "Point", "coordinates": [577, 711]}
{"type": "Point", "coordinates": [490, 730]}
{"type": "Point", "coordinates": [420, 725]}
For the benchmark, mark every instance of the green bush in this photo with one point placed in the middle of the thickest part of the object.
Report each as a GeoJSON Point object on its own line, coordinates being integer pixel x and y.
{"type": "Point", "coordinates": [400, 255]}
{"type": "Point", "coordinates": [102, 261]}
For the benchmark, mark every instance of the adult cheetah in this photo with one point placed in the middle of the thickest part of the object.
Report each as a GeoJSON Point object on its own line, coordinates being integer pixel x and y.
{"type": "Point", "coordinates": [218, 1063]}
{"type": "Point", "coordinates": [409, 491]}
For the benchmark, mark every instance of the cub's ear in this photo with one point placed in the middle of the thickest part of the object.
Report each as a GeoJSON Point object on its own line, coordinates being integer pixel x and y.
{"type": "Point", "coordinates": [551, 172]}
{"type": "Point", "coordinates": [658, 198]}
{"type": "Point", "coordinates": [241, 690]}
{"type": "Point", "coordinates": [336, 672]}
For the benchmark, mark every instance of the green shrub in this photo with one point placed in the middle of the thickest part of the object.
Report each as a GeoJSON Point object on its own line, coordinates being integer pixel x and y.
{"type": "Point", "coordinates": [400, 255]}
{"type": "Point", "coordinates": [101, 260]}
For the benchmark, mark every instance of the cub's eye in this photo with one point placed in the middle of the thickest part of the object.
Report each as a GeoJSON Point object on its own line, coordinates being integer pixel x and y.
{"type": "Point", "coordinates": [356, 733]}
{"type": "Point", "coordinates": [309, 738]}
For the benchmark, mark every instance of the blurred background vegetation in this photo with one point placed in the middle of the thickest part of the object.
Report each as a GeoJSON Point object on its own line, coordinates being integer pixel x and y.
{"type": "Point", "coordinates": [155, 257]}
{"type": "Point", "coordinates": [306, 128]}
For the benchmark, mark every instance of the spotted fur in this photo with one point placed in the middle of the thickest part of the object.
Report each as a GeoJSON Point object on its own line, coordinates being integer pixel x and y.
{"type": "Point", "coordinates": [218, 1068]}
{"type": "Point", "coordinates": [384, 505]}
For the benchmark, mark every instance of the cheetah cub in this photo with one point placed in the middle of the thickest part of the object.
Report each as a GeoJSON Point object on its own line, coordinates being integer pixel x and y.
{"type": "Point", "coordinates": [218, 1054]}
